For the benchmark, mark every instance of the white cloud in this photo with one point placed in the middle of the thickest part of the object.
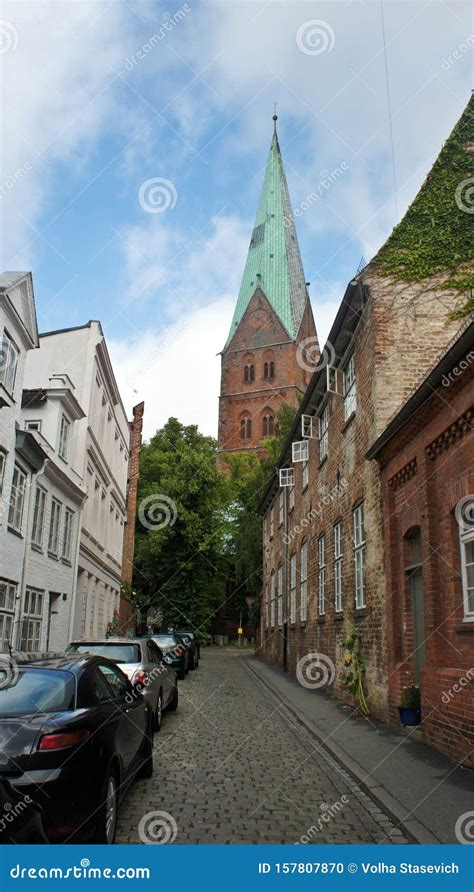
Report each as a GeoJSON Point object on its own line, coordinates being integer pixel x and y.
{"type": "Point", "coordinates": [176, 372]}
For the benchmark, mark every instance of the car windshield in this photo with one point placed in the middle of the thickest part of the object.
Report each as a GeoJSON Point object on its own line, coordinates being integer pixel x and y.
{"type": "Point", "coordinates": [165, 640]}
{"type": "Point", "coordinates": [37, 690]}
{"type": "Point", "coordinates": [120, 653]}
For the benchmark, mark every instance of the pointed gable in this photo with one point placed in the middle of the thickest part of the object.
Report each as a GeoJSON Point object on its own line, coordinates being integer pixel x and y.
{"type": "Point", "coordinates": [273, 261]}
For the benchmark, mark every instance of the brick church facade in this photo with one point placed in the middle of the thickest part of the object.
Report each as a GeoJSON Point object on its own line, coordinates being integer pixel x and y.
{"type": "Point", "coordinates": [272, 345]}
{"type": "Point", "coordinates": [336, 572]}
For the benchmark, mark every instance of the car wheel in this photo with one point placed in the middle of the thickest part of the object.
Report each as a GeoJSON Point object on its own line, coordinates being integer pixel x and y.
{"type": "Point", "coordinates": [174, 699]}
{"type": "Point", "coordinates": [107, 816]}
{"type": "Point", "coordinates": [146, 768]}
{"type": "Point", "coordinates": [181, 674]}
{"type": "Point", "coordinates": [193, 663]}
{"type": "Point", "coordinates": [159, 712]}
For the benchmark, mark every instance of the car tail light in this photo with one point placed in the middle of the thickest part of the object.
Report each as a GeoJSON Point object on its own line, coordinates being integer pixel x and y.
{"type": "Point", "coordinates": [179, 651]}
{"type": "Point", "coordinates": [61, 741]}
{"type": "Point", "coordinates": [139, 677]}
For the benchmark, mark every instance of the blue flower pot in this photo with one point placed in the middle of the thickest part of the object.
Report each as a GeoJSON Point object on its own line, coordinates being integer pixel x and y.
{"type": "Point", "coordinates": [410, 715]}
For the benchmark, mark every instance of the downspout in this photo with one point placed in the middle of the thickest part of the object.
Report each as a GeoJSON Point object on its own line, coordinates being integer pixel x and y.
{"type": "Point", "coordinates": [75, 576]}
{"type": "Point", "coordinates": [26, 556]}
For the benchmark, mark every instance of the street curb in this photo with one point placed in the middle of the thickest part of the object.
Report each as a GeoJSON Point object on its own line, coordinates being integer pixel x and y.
{"type": "Point", "coordinates": [413, 828]}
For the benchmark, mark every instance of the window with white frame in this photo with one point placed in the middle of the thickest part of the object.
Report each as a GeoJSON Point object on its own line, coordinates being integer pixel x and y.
{"type": "Point", "coordinates": [359, 554]}
{"type": "Point", "coordinates": [291, 498]}
{"type": "Point", "coordinates": [304, 582]}
{"type": "Point", "coordinates": [280, 595]}
{"type": "Point", "coordinates": [272, 598]}
{"type": "Point", "coordinates": [64, 431]}
{"type": "Point", "coordinates": [281, 507]}
{"type": "Point", "coordinates": [466, 533]}
{"type": "Point", "coordinates": [8, 362]}
{"type": "Point", "coordinates": [3, 462]}
{"type": "Point", "coordinates": [33, 426]}
{"type": "Point", "coordinates": [67, 534]}
{"type": "Point", "coordinates": [7, 612]}
{"type": "Point", "coordinates": [293, 588]}
{"type": "Point", "coordinates": [38, 516]}
{"type": "Point", "coordinates": [54, 522]}
{"type": "Point", "coordinates": [305, 474]}
{"type": "Point", "coordinates": [300, 451]}
{"type": "Point", "coordinates": [322, 575]}
{"type": "Point", "coordinates": [350, 399]}
{"type": "Point", "coordinates": [323, 432]}
{"type": "Point", "coordinates": [338, 567]}
{"type": "Point", "coordinates": [266, 606]}
{"type": "Point", "coordinates": [32, 621]}
{"type": "Point", "coordinates": [272, 521]}
{"type": "Point", "coordinates": [17, 499]}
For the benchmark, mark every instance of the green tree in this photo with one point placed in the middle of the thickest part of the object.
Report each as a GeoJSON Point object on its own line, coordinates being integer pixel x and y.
{"type": "Point", "coordinates": [181, 526]}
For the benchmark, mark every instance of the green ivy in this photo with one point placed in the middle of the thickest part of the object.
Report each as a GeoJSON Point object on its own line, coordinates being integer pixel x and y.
{"type": "Point", "coordinates": [435, 235]}
{"type": "Point", "coordinates": [354, 668]}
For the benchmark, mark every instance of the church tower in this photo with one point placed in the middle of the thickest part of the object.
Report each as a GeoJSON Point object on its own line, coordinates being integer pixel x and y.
{"type": "Point", "coordinates": [272, 344]}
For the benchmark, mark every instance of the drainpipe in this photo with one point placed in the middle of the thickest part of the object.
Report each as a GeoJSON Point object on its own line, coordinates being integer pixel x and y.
{"type": "Point", "coordinates": [285, 583]}
{"type": "Point", "coordinates": [75, 575]}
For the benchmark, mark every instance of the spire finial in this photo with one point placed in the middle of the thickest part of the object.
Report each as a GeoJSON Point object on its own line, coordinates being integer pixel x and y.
{"type": "Point", "coordinates": [275, 117]}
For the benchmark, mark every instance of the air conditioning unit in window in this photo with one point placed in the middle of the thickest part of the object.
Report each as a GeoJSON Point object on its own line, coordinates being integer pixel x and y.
{"type": "Point", "coordinates": [287, 476]}
{"type": "Point", "coordinates": [309, 427]}
{"type": "Point", "coordinates": [334, 380]}
{"type": "Point", "coordinates": [300, 451]}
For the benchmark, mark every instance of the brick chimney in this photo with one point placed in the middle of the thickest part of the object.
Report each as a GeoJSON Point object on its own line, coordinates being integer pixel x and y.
{"type": "Point", "coordinates": [136, 427]}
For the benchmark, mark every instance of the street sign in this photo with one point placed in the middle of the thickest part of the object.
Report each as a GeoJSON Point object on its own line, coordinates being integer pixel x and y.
{"type": "Point", "coordinates": [240, 631]}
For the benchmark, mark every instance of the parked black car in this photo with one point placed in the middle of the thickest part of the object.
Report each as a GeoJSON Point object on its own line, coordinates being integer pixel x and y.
{"type": "Point", "coordinates": [73, 734]}
{"type": "Point", "coordinates": [194, 637]}
{"type": "Point", "coordinates": [175, 652]}
{"type": "Point", "coordinates": [192, 646]}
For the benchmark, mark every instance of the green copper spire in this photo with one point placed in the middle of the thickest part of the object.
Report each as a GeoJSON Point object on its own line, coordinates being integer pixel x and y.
{"type": "Point", "coordinates": [273, 260]}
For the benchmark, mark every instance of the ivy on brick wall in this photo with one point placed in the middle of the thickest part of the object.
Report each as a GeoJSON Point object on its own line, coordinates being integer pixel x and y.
{"type": "Point", "coordinates": [435, 235]}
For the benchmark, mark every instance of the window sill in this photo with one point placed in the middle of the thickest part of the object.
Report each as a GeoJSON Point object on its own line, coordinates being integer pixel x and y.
{"type": "Point", "coordinates": [53, 557]}
{"type": "Point", "coordinates": [66, 562]}
{"type": "Point", "coordinates": [348, 422]}
{"type": "Point", "coordinates": [305, 487]}
{"type": "Point", "coordinates": [15, 532]}
{"type": "Point", "coordinates": [338, 616]}
{"type": "Point", "coordinates": [36, 547]}
{"type": "Point", "coordinates": [466, 628]}
{"type": "Point", "coordinates": [321, 618]}
{"type": "Point", "coordinates": [322, 462]}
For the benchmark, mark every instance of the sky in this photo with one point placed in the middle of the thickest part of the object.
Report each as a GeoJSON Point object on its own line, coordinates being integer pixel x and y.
{"type": "Point", "coordinates": [135, 138]}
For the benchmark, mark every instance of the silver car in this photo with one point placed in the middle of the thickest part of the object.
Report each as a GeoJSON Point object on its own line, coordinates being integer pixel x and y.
{"type": "Point", "coordinates": [144, 664]}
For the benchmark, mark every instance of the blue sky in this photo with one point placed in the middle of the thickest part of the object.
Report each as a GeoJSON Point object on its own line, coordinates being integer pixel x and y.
{"type": "Point", "coordinates": [95, 105]}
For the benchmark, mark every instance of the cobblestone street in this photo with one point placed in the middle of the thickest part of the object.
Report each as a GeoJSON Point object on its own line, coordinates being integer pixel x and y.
{"type": "Point", "coordinates": [231, 766]}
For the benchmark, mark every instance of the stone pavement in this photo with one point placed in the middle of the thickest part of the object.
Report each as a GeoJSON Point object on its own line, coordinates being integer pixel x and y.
{"type": "Point", "coordinates": [421, 789]}
{"type": "Point", "coordinates": [233, 766]}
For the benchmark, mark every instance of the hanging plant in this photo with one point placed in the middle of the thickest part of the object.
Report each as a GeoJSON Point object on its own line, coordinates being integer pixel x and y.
{"type": "Point", "coordinates": [353, 679]}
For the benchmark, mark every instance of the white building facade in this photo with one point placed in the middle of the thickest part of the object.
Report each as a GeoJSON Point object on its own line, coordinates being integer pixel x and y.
{"type": "Point", "coordinates": [98, 453]}
{"type": "Point", "coordinates": [40, 495]}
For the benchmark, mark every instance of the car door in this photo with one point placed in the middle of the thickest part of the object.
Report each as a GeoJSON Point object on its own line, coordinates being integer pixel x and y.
{"type": "Point", "coordinates": [131, 711]}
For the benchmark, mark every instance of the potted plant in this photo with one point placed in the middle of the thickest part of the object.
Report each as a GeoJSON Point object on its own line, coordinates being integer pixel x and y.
{"type": "Point", "coordinates": [410, 706]}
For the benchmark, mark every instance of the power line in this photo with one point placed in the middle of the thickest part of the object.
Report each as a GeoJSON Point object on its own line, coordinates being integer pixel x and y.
{"type": "Point", "coordinates": [389, 112]}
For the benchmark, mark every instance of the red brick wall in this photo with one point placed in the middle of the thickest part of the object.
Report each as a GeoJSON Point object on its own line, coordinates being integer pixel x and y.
{"type": "Point", "coordinates": [437, 445]}
{"type": "Point", "coordinates": [136, 427]}
{"type": "Point", "coordinates": [400, 333]}
{"type": "Point", "coordinates": [259, 338]}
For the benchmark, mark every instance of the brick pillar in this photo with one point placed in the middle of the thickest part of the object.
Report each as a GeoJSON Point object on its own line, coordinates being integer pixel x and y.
{"type": "Point", "coordinates": [136, 427]}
